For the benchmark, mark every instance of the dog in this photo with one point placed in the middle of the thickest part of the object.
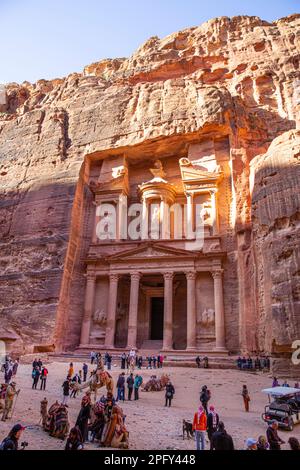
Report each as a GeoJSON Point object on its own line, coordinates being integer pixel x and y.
{"type": "Point", "coordinates": [187, 429]}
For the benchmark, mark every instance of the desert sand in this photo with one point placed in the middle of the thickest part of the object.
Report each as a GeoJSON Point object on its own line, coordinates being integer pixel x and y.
{"type": "Point", "coordinates": [151, 425]}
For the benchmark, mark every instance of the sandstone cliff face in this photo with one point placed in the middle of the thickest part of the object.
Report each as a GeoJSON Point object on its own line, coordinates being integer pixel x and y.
{"type": "Point", "coordinates": [231, 79]}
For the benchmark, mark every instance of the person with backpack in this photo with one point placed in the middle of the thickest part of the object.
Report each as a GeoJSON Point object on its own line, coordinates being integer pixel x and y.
{"type": "Point", "coordinates": [212, 422]}
{"type": "Point", "coordinates": [170, 392]}
{"type": "Point", "coordinates": [44, 375]}
{"type": "Point", "coordinates": [199, 426]}
{"type": "Point", "coordinates": [35, 376]}
{"type": "Point", "coordinates": [204, 398]}
{"type": "Point", "coordinates": [121, 387]}
{"type": "Point", "coordinates": [130, 383]}
{"type": "Point", "coordinates": [11, 442]}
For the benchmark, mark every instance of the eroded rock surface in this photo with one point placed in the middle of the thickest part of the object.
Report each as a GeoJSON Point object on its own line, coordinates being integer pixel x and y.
{"type": "Point", "coordinates": [234, 80]}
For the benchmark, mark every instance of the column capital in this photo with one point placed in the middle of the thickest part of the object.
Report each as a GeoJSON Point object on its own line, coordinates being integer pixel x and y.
{"type": "Point", "coordinates": [90, 276]}
{"type": "Point", "coordinates": [191, 275]}
{"type": "Point", "coordinates": [168, 276]}
{"type": "Point", "coordinates": [217, 273]}
{"type": "Point", "coordinates": [135, 275]}
{"type": "Point", "coordinates": [114, 277]}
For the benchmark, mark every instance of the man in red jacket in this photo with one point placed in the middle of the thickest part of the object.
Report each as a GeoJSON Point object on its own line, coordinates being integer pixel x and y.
{"type": "Point", "coordinates": [200, 426]}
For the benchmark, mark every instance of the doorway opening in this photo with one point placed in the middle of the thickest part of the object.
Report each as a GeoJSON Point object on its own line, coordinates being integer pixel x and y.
{"type": "Point", "coordinates": [157, 318]}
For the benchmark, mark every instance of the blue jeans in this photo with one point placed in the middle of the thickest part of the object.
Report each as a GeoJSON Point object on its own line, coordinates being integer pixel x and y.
{"type": "Point", "coordinates": [121, 394]}
{"type": "Point", "coordinates": [200, 440]}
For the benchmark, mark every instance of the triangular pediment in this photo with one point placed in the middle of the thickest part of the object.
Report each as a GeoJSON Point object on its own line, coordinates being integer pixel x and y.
{"type": "Point", "coordinates": [150, 251]}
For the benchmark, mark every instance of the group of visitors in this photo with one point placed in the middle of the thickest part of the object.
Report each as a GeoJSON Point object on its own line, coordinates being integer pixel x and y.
{"type": "Point", "coordinates": [71, 379]}
{"type": "Point", "coordinates": [276, 383]}
{"type": "Point", "coordinates": [9, 368]}
{"type": "Point", "coordinates": [272, 441]}
{"type": "Point", "coordinates": [259, 363]}
{"type": "Point", "coordinates": [206, 422]}
{"type": "Point", "coordinates": [133, 385]}
{"type": "Point", "coordinates": [204, 360]}
{"type": "Point", "coordinates": [39, 372]}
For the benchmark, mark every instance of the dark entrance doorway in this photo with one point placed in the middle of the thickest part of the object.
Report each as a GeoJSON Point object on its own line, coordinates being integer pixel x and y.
{"type": "Point", "coordinates": [157, 318]}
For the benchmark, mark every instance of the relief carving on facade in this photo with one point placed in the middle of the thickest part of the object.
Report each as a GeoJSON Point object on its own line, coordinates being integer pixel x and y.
{"type": "Point", "coordinates": [206, 318]}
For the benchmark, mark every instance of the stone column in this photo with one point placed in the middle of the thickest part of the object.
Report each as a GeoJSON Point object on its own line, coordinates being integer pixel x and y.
{"type": "Point", "coordinates": [111, 313]}
{"type": "Point", "coordinates": [168, 311]}
{"type": "Point", "coordinates": [214, 212]}
{"type": "Point", "coordinates": [88, 309]}
{"type": "Point", "coordinates": [189, 232]}
{"type": "Point", "coordinates": [145, 220]}
{"type": "Point", "coordinates": [164, 220]}
{"type": "Point", "coordinates": [191, 311]}
{"type": "Point", "coordinates": [133, 310]}
{"type": "Point", "coordinates": [219, 310]}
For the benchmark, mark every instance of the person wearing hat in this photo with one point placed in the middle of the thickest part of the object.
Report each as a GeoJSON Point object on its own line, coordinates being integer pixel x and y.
{"type": "Point", "coordinates": [11, 442]}
{"type": "Point", "coordinates": [273, 439]}
{"type": "Point", "coordinates": [10, 394]}
{"type": "Point", "coordinates": [251, 444]}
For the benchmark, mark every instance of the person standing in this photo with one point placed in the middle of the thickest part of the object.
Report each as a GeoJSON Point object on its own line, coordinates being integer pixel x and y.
{"type": "Point", "coordinates": [108, 361]}
{"type": "Point", "coordinates": [44, 375]}
{"type": "Point", "coordinates": [130, 383]}
{"type": "Point", "coordinates": [15, 367]}
{"type": "Point", "coordinates": [84, 415]}
{"type": "Point", "coordinates": [10, 395]}
{"type": "Point", "coordinates": [212, 423]}
{"type": "Point", "coordinates": [275, 382]}
{"type": "Point", "coordinates": [199, 426]}
{"type": "Point", "coordinates": [121, 387]}
{"type": "Point", "coordinates": [221, 440]}
{"type": "Point", "coordinates": [246, 397]}
{"type": "Point", "coordinates": [66, 390]}
{"type": "Point", "coordinates": [35, 375]}
{"type": "Point", "coordinates": [170, 392]}
{"type": "Point", "coordinates": [272, 435]}
{"type": "Point", "coordinates": [71, 370]}
{"type": "Point", "coordinates": [92, 357]}
{"type": "Point", "coordinates": [140, 362]}
{"type": "Point", "coordinates": [123, 360]}
{"type": "Point", "coordinates": [85, 371]}
{"type": "Point", "coordinates": [204, 398]}
{"type": "Point", "coordinates": [137, 383]}
{"type": "Point", "coordinates": [40, 364]}
{"type": "Point", "coordinates": [198, 361]}
{"type": "Point", "coordinates": [7, 374]}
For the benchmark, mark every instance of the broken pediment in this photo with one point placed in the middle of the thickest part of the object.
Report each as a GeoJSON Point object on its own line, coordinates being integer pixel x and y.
{"type": "Point", "coordinates": [194, 177]}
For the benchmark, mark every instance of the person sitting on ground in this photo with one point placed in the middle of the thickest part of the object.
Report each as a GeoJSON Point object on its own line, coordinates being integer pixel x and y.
{"type": "Point", "coordinates": [251, 444]}
{"type": "Point", "coordinates": [221, 440]}
{"type": "Point", "coordinates": [11, 442]}
{"type": "Point", "coordinates": [262, 443]}
{"type": "Point", "coordinates": [294, 443]}
{"type": "Point", "coordinates": [74, 441]}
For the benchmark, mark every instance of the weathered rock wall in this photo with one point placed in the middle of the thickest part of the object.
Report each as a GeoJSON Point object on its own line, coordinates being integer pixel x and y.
{"type": "Point", "coordinates": [232, 79]}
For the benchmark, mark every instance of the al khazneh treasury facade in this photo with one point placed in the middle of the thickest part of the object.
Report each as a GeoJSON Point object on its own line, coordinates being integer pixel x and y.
{"type": "Point", "coordinates": [161, 287]}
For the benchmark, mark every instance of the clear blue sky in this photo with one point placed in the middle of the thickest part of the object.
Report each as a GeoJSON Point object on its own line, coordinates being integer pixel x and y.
{"type": "Point", "coordinates": [52, 38]}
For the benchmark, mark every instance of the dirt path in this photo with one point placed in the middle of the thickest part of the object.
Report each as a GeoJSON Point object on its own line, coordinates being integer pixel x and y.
{"type": "Point", "coordinates": [150, 424]}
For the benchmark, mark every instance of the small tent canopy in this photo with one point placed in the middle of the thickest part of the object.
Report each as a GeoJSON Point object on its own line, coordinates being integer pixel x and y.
{"type": "Point", "coordinates": [281, 391]}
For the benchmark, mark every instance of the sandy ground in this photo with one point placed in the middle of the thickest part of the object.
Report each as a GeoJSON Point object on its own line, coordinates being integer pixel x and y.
{"type": "Point", "coordinates": [151, 425]}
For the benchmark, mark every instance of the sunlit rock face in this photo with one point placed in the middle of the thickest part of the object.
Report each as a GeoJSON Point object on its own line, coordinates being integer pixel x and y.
{"type": "Point", "coordinates": [228, 90]}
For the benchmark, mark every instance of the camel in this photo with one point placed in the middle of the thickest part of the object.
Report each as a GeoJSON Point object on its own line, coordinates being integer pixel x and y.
{"type": "Point", "coordinates": [99, 379]}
